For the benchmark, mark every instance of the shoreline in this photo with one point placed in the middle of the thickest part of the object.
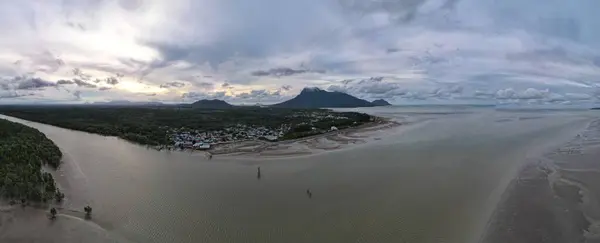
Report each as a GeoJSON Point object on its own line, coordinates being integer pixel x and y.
{"type": "Point", "coordinates": [549, 200]}
{"type": "Point", "coordinates": [309, 145]}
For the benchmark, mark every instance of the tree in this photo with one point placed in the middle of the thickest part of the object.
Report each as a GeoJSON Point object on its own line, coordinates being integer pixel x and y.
{"type": "Point", "coordinates": [53, 213]}
{"type": "Point", "coordinates": [88, 211]}
{"type": "Point", "coordinates": [59, 196]}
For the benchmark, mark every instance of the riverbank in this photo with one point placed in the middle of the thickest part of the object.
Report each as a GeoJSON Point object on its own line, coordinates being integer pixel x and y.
{"type": "Point", "coordinates": [175, 126]}
{"type": "Point", "coordinates": [29, 185]}
{"type": "Point", "coordinates": [555, 199]}
{"type": "Point", "coordinates": [25, 154]}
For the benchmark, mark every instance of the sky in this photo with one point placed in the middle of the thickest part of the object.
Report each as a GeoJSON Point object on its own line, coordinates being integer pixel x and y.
{"type": "Point", "coordinates": [267, 51]}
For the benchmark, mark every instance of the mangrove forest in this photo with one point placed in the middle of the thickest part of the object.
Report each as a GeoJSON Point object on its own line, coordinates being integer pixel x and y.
{"type": "Point", "coordinates": [23, 152]}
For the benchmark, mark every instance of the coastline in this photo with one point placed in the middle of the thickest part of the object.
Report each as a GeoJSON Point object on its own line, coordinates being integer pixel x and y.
{"type": "Point", "coordinates": [555, 198]}
{"type": "Point", "coordinates": [309, 145]}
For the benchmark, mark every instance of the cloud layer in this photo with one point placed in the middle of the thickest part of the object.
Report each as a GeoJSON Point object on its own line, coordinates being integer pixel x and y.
{"type": "Point", "coordinates": [266, 51]}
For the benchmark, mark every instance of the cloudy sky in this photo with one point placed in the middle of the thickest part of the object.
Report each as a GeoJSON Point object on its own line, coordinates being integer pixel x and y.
{"type": "Point", "coordinates": [406, 51]}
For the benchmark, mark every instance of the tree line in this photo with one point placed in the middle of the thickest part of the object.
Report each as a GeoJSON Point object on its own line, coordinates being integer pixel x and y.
{"type": "Point", "coordinates": [23, 152]}
{"type": "Point", "coordinates": [151, 125]}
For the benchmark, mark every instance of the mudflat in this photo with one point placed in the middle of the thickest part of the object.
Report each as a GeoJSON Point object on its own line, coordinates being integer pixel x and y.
{"type": "Point", "coordinates": [555, 198]}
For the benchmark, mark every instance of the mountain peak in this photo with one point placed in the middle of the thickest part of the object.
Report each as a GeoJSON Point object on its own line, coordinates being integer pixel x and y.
{"type": "Point", "coordinates": [380, 102]}
{"type": "Point", "coordinates": [312, 97]}
{"type": "Point", "coordinates": [311, 89]}
{"type": "Point", "coordinates": [211, 104]}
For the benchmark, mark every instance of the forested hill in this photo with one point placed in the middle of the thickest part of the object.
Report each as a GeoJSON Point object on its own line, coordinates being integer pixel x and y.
{"type": "Point", "coordinates": [211, 104]}
{"type": "Point", "coordinates": [23, 151]}
{"type": "Point", "coordinates": [318, 98]}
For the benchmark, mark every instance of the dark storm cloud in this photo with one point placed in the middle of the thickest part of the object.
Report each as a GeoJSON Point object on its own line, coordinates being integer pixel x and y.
{"type": "Point", "coordinates": [32, 83]}
{"type": "Point", "coordinates": [84, 84]}
{"type": "Point", "coordinates": [77, 82]}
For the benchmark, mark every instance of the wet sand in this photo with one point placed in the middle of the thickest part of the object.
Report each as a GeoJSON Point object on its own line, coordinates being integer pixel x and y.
{"type": "Point", "coordinates": [555, 198]}
{"type": "Point", "coordinates": [27, 224]}
{"type": "Point", "coordinates": [343, 139]}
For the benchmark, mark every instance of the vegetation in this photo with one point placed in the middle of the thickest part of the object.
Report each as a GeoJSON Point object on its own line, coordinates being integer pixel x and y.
{"type": "Point", "coordinates": [53, 213]}
{"type": "Point", "coordinates": [88, 211]}
{"type": "Point", "coordinates": [152, 125]}
{"type": "Point", "coordinates": [23, 151]}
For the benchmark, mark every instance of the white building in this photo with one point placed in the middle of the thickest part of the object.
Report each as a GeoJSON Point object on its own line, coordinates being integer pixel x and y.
{"type": "Point", "coordinates": [201, 146]}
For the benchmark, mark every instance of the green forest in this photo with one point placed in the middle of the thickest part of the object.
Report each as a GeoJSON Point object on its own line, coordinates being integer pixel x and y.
{"type": "Point", "coordinates": [23, 152]}
{"type": "Point", "coordinates": [151, 125]}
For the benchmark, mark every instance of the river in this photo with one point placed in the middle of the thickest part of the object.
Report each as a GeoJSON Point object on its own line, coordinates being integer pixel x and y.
{"type": "Point", "coordinates": [437, 182]}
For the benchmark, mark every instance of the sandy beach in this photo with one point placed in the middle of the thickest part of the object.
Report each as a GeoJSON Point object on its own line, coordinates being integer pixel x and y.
{"type": "Point", "coordinates": [330, 141]}
{"type": "Point", "coordinates": [555, 198]}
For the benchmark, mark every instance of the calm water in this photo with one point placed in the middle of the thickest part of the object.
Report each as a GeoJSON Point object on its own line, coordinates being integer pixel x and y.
{"type": "Point", "coordinates": [437, 182]}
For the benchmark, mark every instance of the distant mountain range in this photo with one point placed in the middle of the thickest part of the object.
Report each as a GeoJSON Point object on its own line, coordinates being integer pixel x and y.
{"type": "Point", "coordinates": [308, 98]}
{"type": "Point", "coordinates": [212, 104]}
{"type": "Point", "coordinates": [318, 98]}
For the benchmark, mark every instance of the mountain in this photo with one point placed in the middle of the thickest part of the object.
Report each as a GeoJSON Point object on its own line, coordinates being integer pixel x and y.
{"type": "Point", "coordinates": [318, 98]}
{"type": "Point", "coordinates": [211, 104]}
{"type": "Point", "coordinates": [380, 102]}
